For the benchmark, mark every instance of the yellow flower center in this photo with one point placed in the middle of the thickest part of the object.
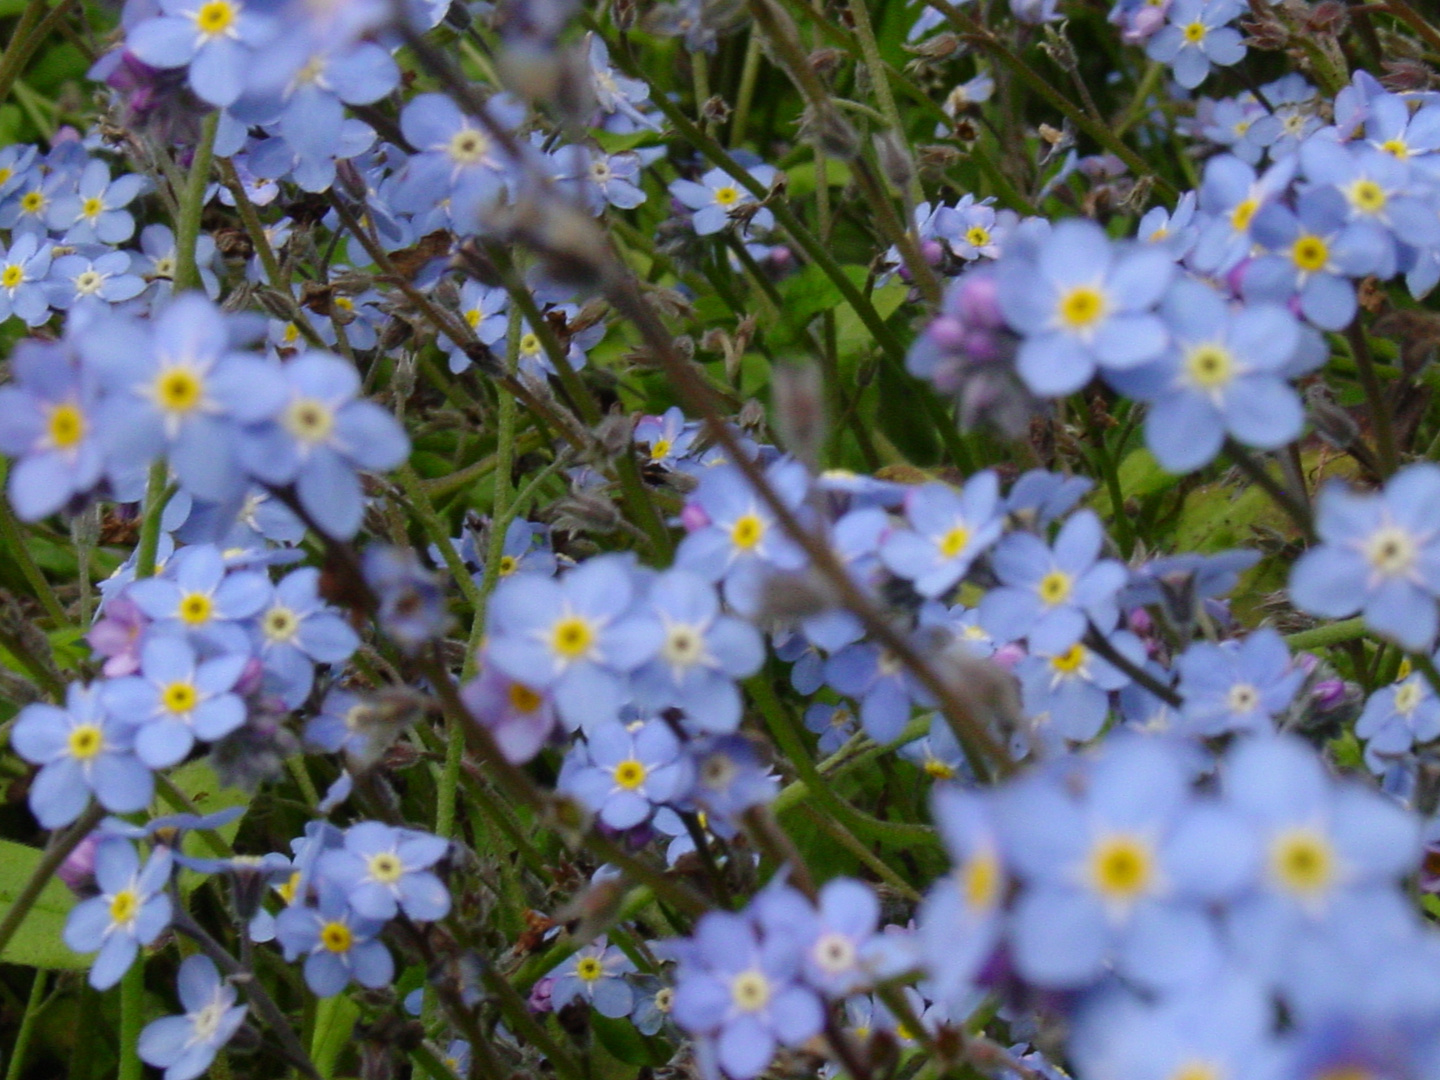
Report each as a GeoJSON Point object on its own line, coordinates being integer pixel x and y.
{"type": "Point", "coordinates": [336, 937]}
{"type": "Point", "coordinates": [1243, 212]}
{"type": "Point", "coordinates": [472, 318]}
{"type": "Point", "coordinates": [750, 991]}
{"type": "Point", "coordinates": [1302, 861]}
{"type": "Point", "coordinates": [1082, 307]}
{"type": "Point", "coordinates": [530, 345]}
{"type": "Point", "coordinates": [123, 906]}
{"type": "Point", "coordinates": [12, 276]}
{"type": "Point", "coordinates": [290, 888]}
{"type": "Point", "coordinates": [178, 390]}
{"type": "Point", "coordinates": [664, 999]}
{"type": "Point", "coordinates": [66, 426]}
{"type": "Point", "coordinates": [1210, 367]}
{"type": "Point", "coordinates": [980, 881]}
{"type": "Point", "coordinates": [1310, 254]}
{"type": "Point", "coordinates": [747, 531]}
{"type": "Point", "coordinates": [1069, 661]}
{"type": "Point", "coordinates": [572, 637]}
{"type": "Point", "coordinates": [954, 541]}
{"type": "Point", "coordinates": [92, 208]}
{"type": "Point", "coordinates": [1194, 33]}
{"type": "Point", "coordinates": [179, 697]}
{"type": "Point", "coordinates": [508, 565]}
{"type": "Point", "coordinates": [630, 774]}
{"type": "Point", "coordinates": [215, 17]}
{"type": "Point", "coordinates": [727, 196]}
{"type": "Point", "coordinates": [1121, 867]}
{"type": "Point", "coordinates": [309, 420]}
{"type": "Point", "coordinates": [977, 236]}
{"type": "Point", "coordinates": [1367, 196]}
{"type": "Point", "coordinates": [523, 699]}
{"type": "Point", "coordinates": [86, 741]}
{"type": "Point", "coordinates": [195, 609]}
{"type": "Point", "coordinates": [1396, 148]}
{"type": "Point", "coordinates": [589, 969]}
{"type": "Point", "coordinates": [1198, 1070]}
{"type": "Point", "coordinates": [32, 201]}
{"type": "Point", "coordinates": [938, 769]}
{"type": "Point", "coordinates": [386, 868]}
{"type": "Point", "coordinates": [1055, 587]}
{"type": "Point", "coordinates": [659, 449]}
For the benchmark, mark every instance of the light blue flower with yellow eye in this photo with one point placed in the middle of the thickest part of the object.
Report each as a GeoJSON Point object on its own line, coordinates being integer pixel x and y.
{"type": "Point", "coordinates": [949, 530]}
{"type": "Point", "coordinates": [1379, 555]}
{"type": "Point", "coordinates": [1198, 36]}
{"type": "Point", "coordinates": [80, 749]}
{"type": "Point", "coordinates": [1082, 303]}
{"type": "Point", "coordinates": [596, 974]}
{"type": "Point", "coordinates": [130, 910]}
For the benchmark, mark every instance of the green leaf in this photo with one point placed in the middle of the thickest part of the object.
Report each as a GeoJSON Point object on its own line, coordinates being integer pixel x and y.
{"type": "Point", "coordinates": [625, 1043]}
{"type": "Point", "coordinates": [334, 1024]}
{"type": "Point", "coordinates": [37, 943]}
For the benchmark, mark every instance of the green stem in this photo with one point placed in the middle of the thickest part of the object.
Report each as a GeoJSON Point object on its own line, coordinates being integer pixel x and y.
{"type": "Point", "coordinates": [1374, 398]}
{"type": "Point", "coordinates": [16, 1066]}
{"type": "Point", "coordinates": [155, 500]}
{"type": "Point", "coordinates": [192, 205]}
{"type": "Point", "coordinates": [880, 83]}
{"type": "Point", "coordinates": [1333, 634]}
{"type": "Point", "coordinates": [255, 229]}
{"type": "Point", "coordinates": [132, 1019]}
{"type": "Point", "coordinates": [746, 97]}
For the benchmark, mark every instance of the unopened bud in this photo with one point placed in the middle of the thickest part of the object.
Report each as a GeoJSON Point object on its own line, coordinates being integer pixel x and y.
{"type": "Point", "coordinates": [894, 158]}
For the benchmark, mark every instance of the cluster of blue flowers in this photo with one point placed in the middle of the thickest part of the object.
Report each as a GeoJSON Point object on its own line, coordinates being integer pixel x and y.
{"type": "Point", "coordinates": [1150, 862]}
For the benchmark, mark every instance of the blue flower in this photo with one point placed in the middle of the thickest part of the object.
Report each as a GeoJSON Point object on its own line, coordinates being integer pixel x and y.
{"type": "Point", "coordinates": [81, 749]}
{"type": "Point", "coordinates": [1230, 197]}
{"type": "Point", "coordinates": [23, 270]}
{"type": "Point", "coordinates": [1066, 694]}
{"type": "Point", "coordinates": [1224, 374]}
{"type": "Point", "coordinates": [484, 310]}
{"type": "Point", "coordinates": [196, 597]}
{"type": "Point", "coordinates": [1048, 595]}
{"type": "Point", "coordinates": [131, 910]}
{"type": "Point", "coordinates": [1395, 718]}
{"type": "Point", "coordinates": [1237, 686]}
{"type": "Point", "coordinates": [730, 777]}
{"type": "Point", "coordinates": [738, 985]}
{"type": "Point", "coordinates": [960, 920]}
{"type": "Point", "coordinates": [735, 538]}
{"type": "Point", "coordinates": [596, 974]}
{"type": "Point", "coordinates": [383, 870]}
{"type": "Point", "coordinates": [950, 530]}
{"type": "Point", "coordinates": [91, 280]}
{"type": "Point", "coordinates": [317, 438]}
{"type": "Point", "coordinates": [520, 718]}
{"type": "Point", "coordinates": [176, 699]}
{"type": "Point", "coordinates": [96, 211]}
{"type": "Point", "coordinates": [456, 159]}
{"type": "Point", "coordinates": [717, 198]}
{"type": "Point", "coordinates": [629, 773]}
{"type": "Point", "coordinates": [885, 688]}
{"type": "Point", "coordinates": [1196, 37]}
{"type": "Point", "coordinates": [702, 652]}
{"type": "Point", "coordinates": [297, 631]}
{"type": "Point", "coordinates": [1123, 873]}
{"type": "Point", "coordinates": [838, 934]}
{"type": "Point", "coordinates": [216, 39]}
{"type": "Point", "coordinates": [1081, 302]}
{"type": "Point", "coordinates": [47, 422]}
{"type": "Point", "coordinates": [185, 1046]}
{"type": "Point", "coordinates": [575, 637]}
{"type": "Point", "coordinates": [410, 606]}
{"type": "Point", "coordinates": [1328, 852]}
{"type": "Point", "coordinates": [1380, 555]}
{"type": "Point", "coordinates": [835, 724]}
{"type": "Point", "coordinates": [338, 944]}
{"type": "Point", "coordinates": [1312, 253]}
{"type": "Point", "coordinates": [176, 386]}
